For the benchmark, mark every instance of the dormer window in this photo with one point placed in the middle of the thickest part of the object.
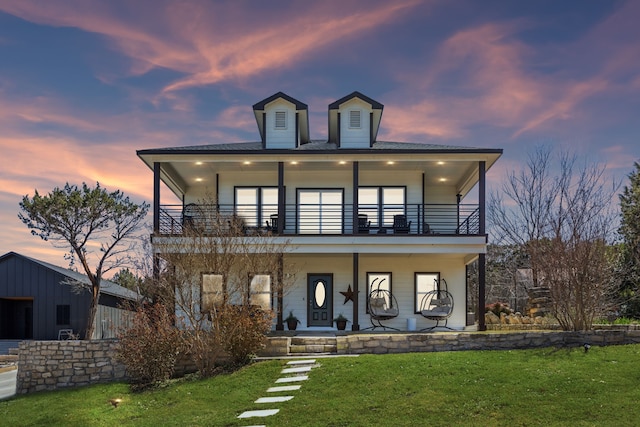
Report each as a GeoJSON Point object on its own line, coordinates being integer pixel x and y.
{"type": "Point", "coordinates": [355, 121]}
{"type": "Point", "coordinates": [281, 120]}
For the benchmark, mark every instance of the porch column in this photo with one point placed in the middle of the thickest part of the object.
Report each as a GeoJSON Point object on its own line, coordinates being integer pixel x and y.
{"type": "Point", "coordinates": [355, 326]}
{"type": "Point", "coordinates": [156, 218]}
{"type": "Point", "coordinates": [280, 293]}
{"type": "Point", "coordinates": [355, 184]}
{"type": "Point", "coordinates": [481, 257]}
{"type": "Point", "coordinates": [281, 206]}
{"type": "Point", "coordinates": [481, 292]}
{"type": "Point", "coordinates": [156, 197]}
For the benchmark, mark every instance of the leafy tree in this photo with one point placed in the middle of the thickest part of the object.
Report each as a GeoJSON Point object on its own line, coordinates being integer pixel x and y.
{"type": "Point", "coordinates": [630, 247]}
{"type": "Point", "coordinates": [86, 218]}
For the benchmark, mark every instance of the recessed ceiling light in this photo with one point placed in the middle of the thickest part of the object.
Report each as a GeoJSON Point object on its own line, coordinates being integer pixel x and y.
{"type": "Point", "coordinates": [391, 162]}
{"type": "Point", "coordinates": [441, 163]}
{"type": "Point", "coordinates": [247, 162]}
{"type": "Point", "coordinates": [198, 163]}
{"type": "Point", "coordinates": [442, 179]}
{"type": "Point", "coordinates": [294, 163]}
{"type": "Point", "coordinates": [198, 179]}
{"type": "Point", "coordinates": [342, 162]}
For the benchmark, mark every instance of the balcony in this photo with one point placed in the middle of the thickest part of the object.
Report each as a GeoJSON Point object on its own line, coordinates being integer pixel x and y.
{"type": "Point", "coordinates": [327, 219]}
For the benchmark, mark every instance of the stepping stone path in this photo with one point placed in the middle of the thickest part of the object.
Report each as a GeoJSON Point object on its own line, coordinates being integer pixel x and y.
{"type": "Point", "coordinates": [295, 367]}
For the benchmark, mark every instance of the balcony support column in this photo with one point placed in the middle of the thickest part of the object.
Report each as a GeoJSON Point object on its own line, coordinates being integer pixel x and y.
{"type": "Point", "coordinates": [481, 257]}
{"type": "Point", "coordinates": [281, 195]}
{"type": "Point", "coordinates": [356, 184]}
{"type": "Point", "coordinates": [156, 218]}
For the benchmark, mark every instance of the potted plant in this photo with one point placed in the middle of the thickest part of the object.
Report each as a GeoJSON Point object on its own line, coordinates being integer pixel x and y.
{"type": "Point", "coordinates": [292, 321]}
{"type": "Point", "coordinates": [341, 322]}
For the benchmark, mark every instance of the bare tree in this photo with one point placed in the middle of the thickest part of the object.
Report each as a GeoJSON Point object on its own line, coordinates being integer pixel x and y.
{"type": "Point", "coordinates": [216, 266]}
{"type": "Point", "coordinates": [564, 220]}
{"type": "Point", "coordinates": [85, 218]}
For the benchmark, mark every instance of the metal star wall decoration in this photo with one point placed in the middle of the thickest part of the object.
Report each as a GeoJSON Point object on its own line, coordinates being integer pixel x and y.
{"type": "Point", "coordinates": [349, 295]}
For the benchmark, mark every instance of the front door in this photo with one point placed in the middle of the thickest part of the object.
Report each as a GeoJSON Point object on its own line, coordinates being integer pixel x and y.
{"type": "Point", "coordinates": [320, 297]}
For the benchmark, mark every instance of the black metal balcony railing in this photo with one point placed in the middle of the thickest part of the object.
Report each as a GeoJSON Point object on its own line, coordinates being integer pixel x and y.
{"type": "Point", "coordinates": [310, 219]}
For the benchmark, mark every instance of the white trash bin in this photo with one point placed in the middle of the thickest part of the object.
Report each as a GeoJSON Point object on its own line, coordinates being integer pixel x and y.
{"type": "Point", "coordinates": [411, 324]}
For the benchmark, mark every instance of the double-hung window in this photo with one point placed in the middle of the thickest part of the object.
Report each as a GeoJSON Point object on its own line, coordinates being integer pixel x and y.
{"type": "Point", "coordinates": [260, 291]}
{"type": "Point", "coordinates": [255, 205]}
{"type": "Point", "coordinates": [380, 204]}
{"type": "Point", "coordinates": [211, 292]}
{"type": "Point", "coordinates": [424, 283]}
{"type": "Point", "coordinates": [379, 282]}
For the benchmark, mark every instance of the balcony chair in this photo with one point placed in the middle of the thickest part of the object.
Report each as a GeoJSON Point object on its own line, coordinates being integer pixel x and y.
{"type": "Point", "coordinates": [437, 305]}
{"type": "Point", "coordinates": [382, 306]}
{"type": "Point", "coordinates": [364, 224]}
{"type": "Point", "coordinates": [400, 224]}
{"type": "Point", "coordinates": [191, 217]}
{"type": "Point", "coordinates": [273, 225]}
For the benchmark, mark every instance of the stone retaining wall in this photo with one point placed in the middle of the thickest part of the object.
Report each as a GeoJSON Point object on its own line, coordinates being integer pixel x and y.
{"type": "Point", "coordinates": [454, 341]}
{"type": "Point", "coordinates": [49, 365]}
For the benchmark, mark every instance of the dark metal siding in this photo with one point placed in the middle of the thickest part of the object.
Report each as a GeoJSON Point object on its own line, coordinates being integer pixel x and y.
{"type": "Point", "coordinates": [23, 278]}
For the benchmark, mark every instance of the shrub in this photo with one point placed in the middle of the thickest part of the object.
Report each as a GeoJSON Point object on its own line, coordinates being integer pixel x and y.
{"type": "Point", "coordinates": [149, 347]}
{"type": "Point", "coordinates": [204, 347]}
{"type": "Point", "coordinates": [243, 331]}
{"type": "Point", "coordinates": [497, 308]}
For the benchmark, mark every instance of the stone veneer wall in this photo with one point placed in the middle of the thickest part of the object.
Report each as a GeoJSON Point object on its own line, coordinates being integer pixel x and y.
{"type": "Point", "coordinates": [49, 365]}
{"type": "Point", "coordinates": [407, 342]}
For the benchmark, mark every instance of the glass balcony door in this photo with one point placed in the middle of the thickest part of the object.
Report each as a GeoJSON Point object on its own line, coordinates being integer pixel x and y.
{"type": "Point", "coordinates": [320, 211]}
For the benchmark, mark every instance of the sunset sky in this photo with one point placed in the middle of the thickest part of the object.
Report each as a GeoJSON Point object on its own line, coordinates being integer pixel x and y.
{"type": "Point", "coordinates": [84, 84]}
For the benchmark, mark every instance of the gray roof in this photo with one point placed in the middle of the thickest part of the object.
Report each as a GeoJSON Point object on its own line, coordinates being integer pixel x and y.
{"type": "Point", "coordinates": [317, 145]}
{"type": "Point", "coordinates": [107, 287]}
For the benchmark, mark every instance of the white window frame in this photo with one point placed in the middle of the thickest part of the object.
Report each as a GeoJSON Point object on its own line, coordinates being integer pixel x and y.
{"type": "Point", "coordinates": [211, 291]}
{"type": "Point", "coordinates": [260, 291]}
{"type": "Point", "coordinates": [379, 280]}
{"type": "Point", "coordinates": [425, 282]}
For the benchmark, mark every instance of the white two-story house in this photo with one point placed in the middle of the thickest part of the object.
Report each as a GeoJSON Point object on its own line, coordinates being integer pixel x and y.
{"type": "Point", "coordinates": [370, 221]}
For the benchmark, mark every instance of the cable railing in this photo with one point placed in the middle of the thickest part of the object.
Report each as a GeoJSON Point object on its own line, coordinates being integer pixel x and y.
{"type": "Point", "coordinates": [327, 219]}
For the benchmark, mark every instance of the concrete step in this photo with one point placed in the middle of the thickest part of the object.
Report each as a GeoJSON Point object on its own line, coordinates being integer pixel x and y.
{"type": "Point", "coordinates": [313, 345]}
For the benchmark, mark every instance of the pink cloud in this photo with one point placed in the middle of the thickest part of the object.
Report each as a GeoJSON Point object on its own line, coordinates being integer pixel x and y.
{"type": "Point", "coordinates": [212, 50]}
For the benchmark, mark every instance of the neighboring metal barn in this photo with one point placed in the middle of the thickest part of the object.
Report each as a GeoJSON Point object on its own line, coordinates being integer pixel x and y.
{"type": "Point", "coordinates": [37, 302]}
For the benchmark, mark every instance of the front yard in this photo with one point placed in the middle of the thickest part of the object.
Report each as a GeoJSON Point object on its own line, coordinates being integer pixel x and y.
{"type": "Point", "coordinates": [516, 388]}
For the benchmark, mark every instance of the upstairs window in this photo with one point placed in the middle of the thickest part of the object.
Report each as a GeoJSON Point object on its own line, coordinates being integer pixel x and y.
{"type": "Point", "coordinates": [355, 121]}
{"type": "Point", "coordinates": [281, 119]}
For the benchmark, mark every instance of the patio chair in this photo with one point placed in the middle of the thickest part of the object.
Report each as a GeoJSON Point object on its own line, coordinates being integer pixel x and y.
{"type": "Point", "coordinates": [273, 225]}
{"type": "Point", "coordinates": [191, 217]}
{"type": "Point", "coordinates": [363, 224]}
{"type": "Point", "coordinates": [382, 306]}
{"type": "Point", "coordinates": [400, 224]}
{"type": "Point", "coordinates": [437, 305]}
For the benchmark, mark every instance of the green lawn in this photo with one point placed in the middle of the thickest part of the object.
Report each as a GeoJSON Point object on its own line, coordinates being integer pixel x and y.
{"type": "Point", "coordinates": [513, 388]}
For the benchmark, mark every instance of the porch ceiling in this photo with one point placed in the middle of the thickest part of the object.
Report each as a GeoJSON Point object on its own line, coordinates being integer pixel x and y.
{"type": "Point", "coordinates": [189, 173]}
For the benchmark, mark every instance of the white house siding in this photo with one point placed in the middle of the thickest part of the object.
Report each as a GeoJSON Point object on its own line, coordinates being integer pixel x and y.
{"type": "Point", "coordinates": [355, 138]}
{"type": "Point", "coordinates": [280, 138]}
{"type": "Point", "coordinates": [402, 268]}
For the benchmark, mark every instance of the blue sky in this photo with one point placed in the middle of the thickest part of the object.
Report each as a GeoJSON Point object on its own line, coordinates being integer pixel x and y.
{"type": "Point", "coordinates": [85, 83]}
